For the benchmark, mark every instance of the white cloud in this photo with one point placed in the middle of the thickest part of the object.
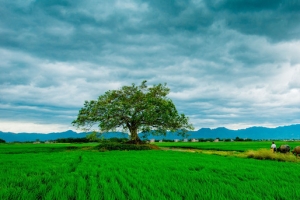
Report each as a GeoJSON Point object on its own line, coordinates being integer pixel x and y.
{"type": "Point", "coordinates": [30, 127]}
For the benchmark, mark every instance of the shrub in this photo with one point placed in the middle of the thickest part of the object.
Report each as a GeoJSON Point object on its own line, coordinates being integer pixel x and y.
{"type": "Point", "coordinates": [2, 141]}
{"type": "Point", "coordinates": [167, 140]}
{"type": "Point", "coordinates": [118, 140]}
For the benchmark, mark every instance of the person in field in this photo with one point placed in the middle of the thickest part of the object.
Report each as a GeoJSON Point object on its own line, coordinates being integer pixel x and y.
{"type": "Point", "coordinates": [273, 147]}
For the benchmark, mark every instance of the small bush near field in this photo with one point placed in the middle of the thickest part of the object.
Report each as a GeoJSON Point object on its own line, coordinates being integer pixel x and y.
{"type": "Point", "coordinates": [108, 146]}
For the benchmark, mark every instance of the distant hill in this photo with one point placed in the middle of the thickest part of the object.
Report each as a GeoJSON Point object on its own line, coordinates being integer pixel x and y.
{"type": "Point", "coordinates": [281, 132]}
{"type": "Point", "coordinates": [23, 137]}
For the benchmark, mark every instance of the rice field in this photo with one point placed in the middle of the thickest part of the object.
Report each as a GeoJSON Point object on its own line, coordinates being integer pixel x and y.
{"type": "Point", "coordinates": [228, 146]}
{"type": "Point", "coordinates": [21, 148]}
{"type": "Point", "coordinates": [58, 172]}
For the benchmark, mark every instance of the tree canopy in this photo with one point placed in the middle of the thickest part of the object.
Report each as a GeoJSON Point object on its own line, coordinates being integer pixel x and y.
{"type": "Point", "coordinates": [135, 109]}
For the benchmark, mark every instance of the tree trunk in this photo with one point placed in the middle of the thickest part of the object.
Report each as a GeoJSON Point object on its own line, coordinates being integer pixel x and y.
{"type": "Point", "coordinates": [134, 138]}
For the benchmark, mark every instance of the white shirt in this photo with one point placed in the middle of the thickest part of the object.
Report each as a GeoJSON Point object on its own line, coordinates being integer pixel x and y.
{"type": "Point", "coordinates": [273, 146]}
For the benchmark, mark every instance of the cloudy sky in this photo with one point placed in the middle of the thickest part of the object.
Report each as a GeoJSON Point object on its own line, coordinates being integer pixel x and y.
{"type": "Point", "coordinates": [229, 63]}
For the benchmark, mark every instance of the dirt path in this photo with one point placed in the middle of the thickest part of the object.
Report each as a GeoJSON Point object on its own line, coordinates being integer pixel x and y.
{"type": "Point", "coordinates": [256, 154]}
{"type": "Point", "coordinates": [178, 149]}
{"type": "Point", "coordinates": [214, 152]}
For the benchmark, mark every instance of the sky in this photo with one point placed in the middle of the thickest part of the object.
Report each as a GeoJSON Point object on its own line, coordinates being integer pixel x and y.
{"type": "Point", "coordinates": [228, 63]}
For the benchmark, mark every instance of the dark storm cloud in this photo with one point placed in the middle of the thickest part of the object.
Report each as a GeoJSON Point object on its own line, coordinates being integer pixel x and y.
{"type": "Point", "coordinates": [277, 20]}
{"type": "Point", "coordinates": [42, 27]}
{"type": "Point", "coordinates": [226, 62]}
{"type": "Point", "coordinates": [169, 17]}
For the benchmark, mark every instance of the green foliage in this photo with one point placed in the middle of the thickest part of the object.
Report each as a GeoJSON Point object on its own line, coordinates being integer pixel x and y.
{"type": "Point", "coordinates": [167, 140]}
{"type": "Point", "coordinates": [134, 109]}
{"type": "Point", "coordinates": [2, 141]}
{"type": "Point", "coordinates": [120, 146]}
{"type": "Point", "coordinates": [94, 136]}
{"type": "Point", "coordinates": [119, 140]}
{"type": "Point", "coordinates": [242, 139]}
{"type": "Point", "coordinates": [206, 139]}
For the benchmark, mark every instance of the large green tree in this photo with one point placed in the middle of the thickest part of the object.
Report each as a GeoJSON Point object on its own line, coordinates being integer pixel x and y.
{"type": "Point", "coordinates": [135, 109]}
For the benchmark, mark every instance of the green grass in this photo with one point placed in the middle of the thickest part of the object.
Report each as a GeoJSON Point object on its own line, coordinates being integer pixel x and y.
{"type": "Point", "coordinates": [21, 148]}
{"type": "Point", "coordinates": [85, 174]}
{"type": "Point", "coordinates": [226, 146]}
{"type": "Point", "coordinates": [108, 146]}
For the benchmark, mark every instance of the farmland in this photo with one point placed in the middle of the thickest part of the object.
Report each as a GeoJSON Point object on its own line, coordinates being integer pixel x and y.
{"type": "Point", "coordinates": [227, 146]}
{"type": "Point", "coordinates": [65, 171]}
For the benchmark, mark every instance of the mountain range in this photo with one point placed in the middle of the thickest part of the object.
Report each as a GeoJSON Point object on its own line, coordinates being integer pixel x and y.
{"type": "Point", "coordinates": [25, 137]}
{"type": "Point", "coordinates": [281, 132]}
{"type": "Point", "coordinates": [256, 133]}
